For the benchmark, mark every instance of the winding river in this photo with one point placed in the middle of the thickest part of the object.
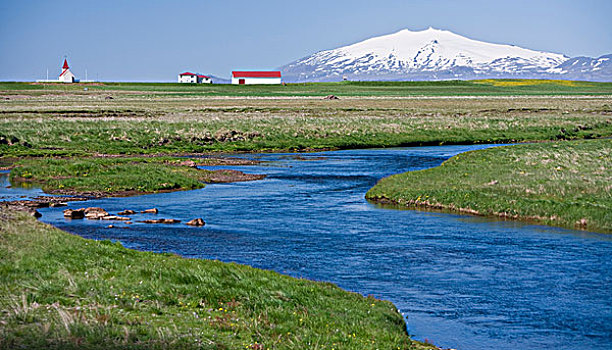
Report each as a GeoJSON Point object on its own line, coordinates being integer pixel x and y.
{"type": "Point", "coordinates": [461, 281]}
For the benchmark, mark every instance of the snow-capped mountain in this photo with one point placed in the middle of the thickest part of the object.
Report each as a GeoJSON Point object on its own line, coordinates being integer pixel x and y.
{"type": "Point", "coordinates": [430, 54]}
{"type": "Point", "coordinates": [587, 68]}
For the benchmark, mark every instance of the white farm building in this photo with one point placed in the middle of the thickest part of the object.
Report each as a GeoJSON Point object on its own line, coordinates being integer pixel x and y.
{"type": "Point", "coordinates": [255, 77]}
{"type": "Point", "coordinates": [188, 77]}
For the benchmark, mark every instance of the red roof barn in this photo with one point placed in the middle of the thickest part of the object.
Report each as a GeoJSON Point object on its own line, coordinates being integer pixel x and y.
{"type": "Point", "coordinates": [256, 77]}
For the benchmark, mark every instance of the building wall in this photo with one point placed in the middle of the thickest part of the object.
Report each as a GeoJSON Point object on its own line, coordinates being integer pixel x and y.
{"type": "Point", "coordinates": [205, 81]}
{"type": "Point", "coordinates": [187, 79]}
{"type": "Point", "coordinates": [68, 77]}
{"type": "Point", "coordinates": [253, 81]}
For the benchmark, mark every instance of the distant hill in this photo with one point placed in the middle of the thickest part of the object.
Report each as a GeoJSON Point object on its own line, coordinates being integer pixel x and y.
{"type": "Point", "coordinates": [434, 54]}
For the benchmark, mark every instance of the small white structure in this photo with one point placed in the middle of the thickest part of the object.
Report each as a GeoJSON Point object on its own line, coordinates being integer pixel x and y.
{"type": "Point", "coordinates": [188, 77]}
{"type": "Point", "coordinates": [66, 76]}
{"type": "Point", "coordinates": [256, 77]}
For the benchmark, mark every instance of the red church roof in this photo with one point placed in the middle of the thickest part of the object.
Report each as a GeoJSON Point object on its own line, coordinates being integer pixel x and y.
{"type": "Point", "coordinates": [187, 73]}
{"type": "Point", "coordinates": [253, 74]}
{"type": "Point", "coordinates": [65, 64]}
{"type": "Point", "coordinates": [203, 76]}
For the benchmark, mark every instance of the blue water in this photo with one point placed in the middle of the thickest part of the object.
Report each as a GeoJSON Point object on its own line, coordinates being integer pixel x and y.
{"type": "Point", "coordinates": [9, 193]}
{"type": "Point", "coordinates": [463, 282]}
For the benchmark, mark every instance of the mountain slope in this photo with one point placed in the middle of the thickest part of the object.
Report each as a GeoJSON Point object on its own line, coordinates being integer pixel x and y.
{"type": "Point", "coordinates": [424, 55]}
{"type": "Point", "coordinates": [587, 68]}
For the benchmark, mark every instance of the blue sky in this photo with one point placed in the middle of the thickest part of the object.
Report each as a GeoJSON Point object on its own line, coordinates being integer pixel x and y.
{"type": "Point", "coordinates": [151, 40]}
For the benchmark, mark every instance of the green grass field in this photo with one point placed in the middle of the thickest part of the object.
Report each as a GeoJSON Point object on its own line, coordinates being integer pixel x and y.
{"type": "Point", "coordinates": [417, 88]}
{"type": "Point", "coordinates": [60, 291]}
{"type": "Point", "coordinates": [83, 123]}
{"type": "Point", "coordinates": [562, 184]}
{"type": "Point", "coordinates": [64, 120]}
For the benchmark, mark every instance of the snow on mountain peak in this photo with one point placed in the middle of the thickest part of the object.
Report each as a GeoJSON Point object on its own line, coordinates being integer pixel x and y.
{"type": "Point", "coordinates": [437, 48]}
{"type": "Point", "coordinates": [407, 54]}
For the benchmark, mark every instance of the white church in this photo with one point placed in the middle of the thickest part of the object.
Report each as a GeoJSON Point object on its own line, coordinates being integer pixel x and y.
{"type": "Point", "coordinates": [67, 76]}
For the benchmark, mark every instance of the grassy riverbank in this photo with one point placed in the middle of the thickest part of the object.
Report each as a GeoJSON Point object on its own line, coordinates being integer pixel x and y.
{"type": "Point", "coordinates": [118, 175]}
{"type": "Point", "coordinates": [81, 126]}
{"type": "Point", "coordinates": [58, 290]}
{"type": "Point", "coordinates": [562, 184]}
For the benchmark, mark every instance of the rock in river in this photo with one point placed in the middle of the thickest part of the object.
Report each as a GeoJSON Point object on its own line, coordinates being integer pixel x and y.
{"type": "Point", "coordinates": [161, 221]}
{"type": "Point", "coordinates": [95, 213]}
{"type": "Point", "coordinates": [57, 204]}
{"type": "Point", "coordinates": [196, 222]}
{"type": "Point", "coordinates": [126, 212]}
{"type": "Point", "coordinates": [115, 217]}
{"type": "Point", "coordinates": [150, 211]}
{"type": "Point", "coordinates": [74, 213]}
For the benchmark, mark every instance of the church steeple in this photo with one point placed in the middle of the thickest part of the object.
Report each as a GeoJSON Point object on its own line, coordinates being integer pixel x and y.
{"type": "Point", "coordinates": [66, 76]}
